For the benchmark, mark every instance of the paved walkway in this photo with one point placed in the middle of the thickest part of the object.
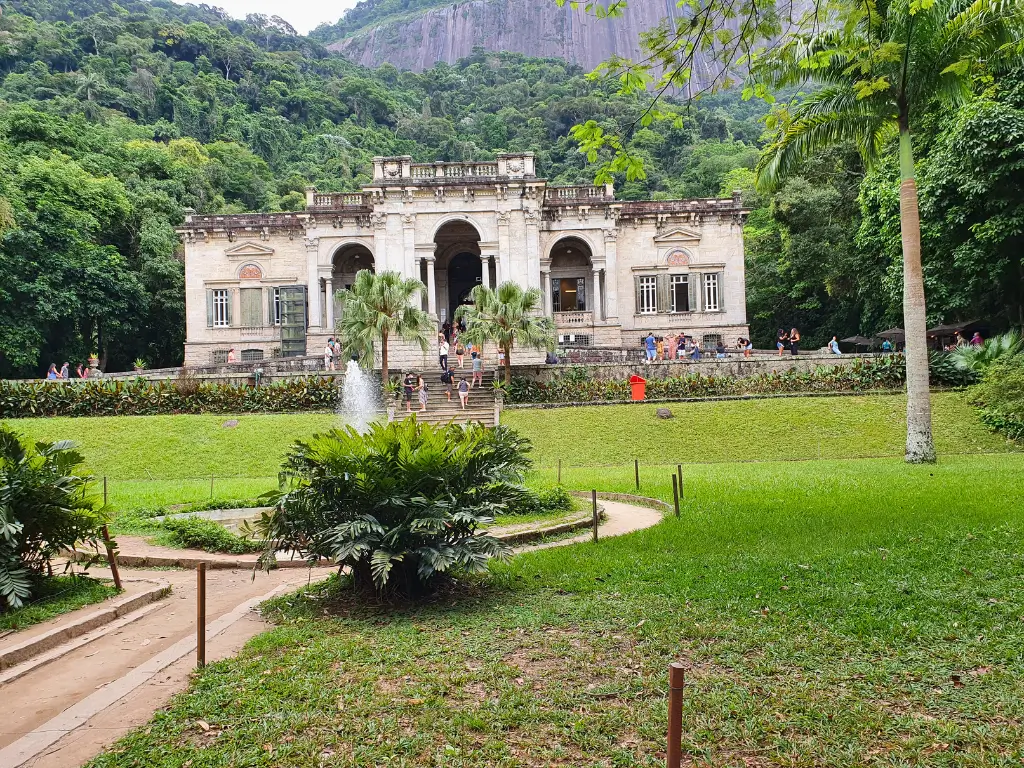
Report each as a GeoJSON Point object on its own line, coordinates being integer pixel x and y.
{"type": "Point", "coordinates": [66, 712]}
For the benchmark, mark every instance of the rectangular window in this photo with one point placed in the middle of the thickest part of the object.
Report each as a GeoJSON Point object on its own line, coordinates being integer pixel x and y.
{"type": "Point", "coordinates": [679, 289]}
{"type": "Point", "coordinates": [648, 295]}
{"type": "Point", "coordinates": [252, 307]}
{"type": "Point", "coordinates": [220, 356]}
{"type": "Point", "coordinates": [711, 293]}
{"type": "Point", "coordinates": [221, 308]}
{"type": "Point", "coordinates": [276, 316]}
{"type": "Point", "coordinates": [568, 294]}
{"type": "Point", "coordinates": [251, 355]}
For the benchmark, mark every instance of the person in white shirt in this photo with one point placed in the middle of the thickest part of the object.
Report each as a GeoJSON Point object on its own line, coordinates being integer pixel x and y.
{"type": "Point", "coordinates": [329, 355]}
{"type": "Point", "coordinates": [442, 353]}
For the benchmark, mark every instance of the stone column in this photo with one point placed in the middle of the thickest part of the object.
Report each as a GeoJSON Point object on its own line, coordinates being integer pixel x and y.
{"type": "Point", "coordinates": [485, 270]}
{"type": "Point", "coordinates": [329, 285]}
{"type": "Point", "coordinates": [504, 240]}
{"type": "Point", "coordinates": [431, 289]}
{"type": "Point", "coordinates": [598, 314]}
{"type": "Point", "coordinates": [313, 281]}
{"type": "Point", "coordinates": [380, 242]}
{"type": "Point", "coordinates": [611, 273]}
{"type": "Point", "coordinates": [533, 254]}
{"type": "Point", "coordinates": [545, 290]}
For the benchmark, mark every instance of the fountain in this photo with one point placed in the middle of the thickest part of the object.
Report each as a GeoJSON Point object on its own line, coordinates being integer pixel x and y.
{"type": "Point", "coordinates": [359, 399]}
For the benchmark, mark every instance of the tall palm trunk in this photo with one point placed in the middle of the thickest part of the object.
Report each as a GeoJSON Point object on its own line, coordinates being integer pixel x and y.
{"type": "Point", "coordinates": [508, 365]}
{"type": "Point", "coordinates": [384, 359]}
{"type": "Point", "coordinates": [920, 446]}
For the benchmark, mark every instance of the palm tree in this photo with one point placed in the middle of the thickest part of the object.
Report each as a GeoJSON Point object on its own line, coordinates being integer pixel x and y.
{"type": "Point", "coordinates": [379, 307]}
{"type": "Point", "coordinates": [506, 316]}
{"type": "Point", "coordinates": [878, 73]}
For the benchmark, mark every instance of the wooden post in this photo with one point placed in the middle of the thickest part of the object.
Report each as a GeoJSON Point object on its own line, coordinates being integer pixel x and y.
{"type": "Point", "coordinates": [201, 615]}
{"type": "Point", "coordinates": [636, 472]}
{"type": "Point", "coordinates": [104, 491]}
{"type": "Point", "coordinates": [111, 555]}
{"type": "Point", "coordinates": [679, 472]}
{"type": "Point", "coordinates": [675, 493]}
{"type": "Point", "coordinates": [593, 499]}
{"type": "Point", "coordinates": [676, 682]}
{"type": "Point", "coordinates": [559, 471]}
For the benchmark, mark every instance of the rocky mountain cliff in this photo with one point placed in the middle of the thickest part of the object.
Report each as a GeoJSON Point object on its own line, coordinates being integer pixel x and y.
{"type": "Point", "coordinates": [539, 28]}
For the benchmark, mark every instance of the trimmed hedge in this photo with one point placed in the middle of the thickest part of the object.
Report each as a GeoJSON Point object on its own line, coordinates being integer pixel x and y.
{"type": "Point", "coordinates": [139, 397]}
{"type": "Point", "coordinates": [888, 372]}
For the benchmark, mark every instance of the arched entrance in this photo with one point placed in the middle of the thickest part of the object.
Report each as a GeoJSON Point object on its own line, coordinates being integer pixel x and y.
{"type": "Point", "coordinates": [572, 278]}
{"type": "Point", "coordinates": [458, 265]}
{"type": "Point", "coordinates": [346, 263]}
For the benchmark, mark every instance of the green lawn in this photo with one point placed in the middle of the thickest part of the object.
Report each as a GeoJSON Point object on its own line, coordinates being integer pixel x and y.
{"type": "Point", "coordinates": [152, 461]}
{"type": "Point", "coordinates": [747, 430]}
{"type": "Point", "coordinates": [857, 612]}
{"type": "Point", "coordinates": [56, 596]}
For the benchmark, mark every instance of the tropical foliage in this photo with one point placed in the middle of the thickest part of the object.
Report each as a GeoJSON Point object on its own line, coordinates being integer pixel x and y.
{"type": "Point", "coordinates": [378, 308]}
{"type": "Point", "coordinates": [139, 397]}
{"type": "Point", "coordinates": [978, 357]}
{"type": "Point", "coordinates": [401, 505]}
{"type": "Point", "coordinates": [207, 535]}
{"type": "Point", "coordinates": [1000, 396]}
{"type": "Point", "coordinates": [507, 316]}
{"type": "Point", "coordinates": [45, 508]}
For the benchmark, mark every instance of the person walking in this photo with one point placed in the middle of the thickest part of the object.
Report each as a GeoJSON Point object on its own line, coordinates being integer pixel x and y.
{"type": "Point", "coordinates": [421, 385]}
{"type": "Point", "coordinates": [794, 341]}
{"type": "Point", "coordinates": [442, 353]}
{"type": "Point", "coordinates": [833, 346]}
{"type": "Point", "coordinates": [463, 392]}
{"type": "Point", "coordinates": [460, 350]}
{"type": "Point", "coordinates": [447, 377]}
{"type": "Point", "coordinates": [478, 369]}
{"type": "Point", "coordinates": [651, 347]}
{"type": "Point", "coordinates": [232, 357]}
{"type": "Point", "coordinates": [781, 340]}
{"type": "Point", "coordinates": [407, 386]}
{"type": "Point", "coordinates": [659, 348]}
{"type": "Point", "coordinates": [51, 374]}
{"type": "Point", "coordinates": [80, 371]}
{"type": "Point", "coordinates": [65, 372]}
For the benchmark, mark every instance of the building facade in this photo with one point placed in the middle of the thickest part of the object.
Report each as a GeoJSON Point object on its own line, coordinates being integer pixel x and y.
{"type": "Point", "coordinates": [610, 271]}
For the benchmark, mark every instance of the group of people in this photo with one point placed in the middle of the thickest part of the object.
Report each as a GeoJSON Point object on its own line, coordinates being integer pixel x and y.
{"type": "Point", "coordinates": [680, 347]}
{"type": "Point", "coordinates": [788, 340]}
{"type": "Point", "coordinates": [332, 353]}
{"type": "Point", "coordinates": [53, 374]}
{"type": "Point", "coordinates": [959, 340]}
{"type": "Point", "coordinates": [416, 384]}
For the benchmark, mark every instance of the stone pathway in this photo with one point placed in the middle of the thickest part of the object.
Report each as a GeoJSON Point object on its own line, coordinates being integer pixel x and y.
{"type": "Point", "coordinates": [66, 712]}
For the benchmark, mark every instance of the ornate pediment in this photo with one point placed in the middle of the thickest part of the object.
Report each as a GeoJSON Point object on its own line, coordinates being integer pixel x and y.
{"type": "Point", "coordinates": [678, 236]}
{"type": "Point", "coordinates": [248, 250]}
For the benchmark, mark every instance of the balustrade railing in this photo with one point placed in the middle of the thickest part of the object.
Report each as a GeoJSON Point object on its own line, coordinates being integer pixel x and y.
{"type": "Point", "coordinates": [573, 319]}
{"type": "Point", "coordinates": [574, 194]}
{"type": "Point", "coordinates": [340, 200]}
{"type": "Point", "coordinates": [265, 332]}
{"type": "Point", "coordinates": [453, 170]}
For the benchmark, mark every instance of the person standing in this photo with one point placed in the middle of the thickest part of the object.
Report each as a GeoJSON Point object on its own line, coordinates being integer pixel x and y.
{"type": "Point", "coordinates": [232, 358]}
{"type": "Point", "coordinates": [329, 355]}
{"type": "Point", "coordinates": [720, 350]}
{"type": "Point", "coordinates": [887, 346]}
{"type": "Point", "coordinates": [748, 348]}
{"type": "Point", "coordinates": [695, 353]}
{"type": "Point", "coordinates": [833, 346]}
{"type": "Point", "coordinates": [463, 392]}
{"type": "Point", "coordinates": [794, 341]}
{"type": "Point", "coordinates": [659, 349]}
{"type": "Point", "coordinates": [442, 353]}
{"type": "Point", "coordinates": [407, 386]}
{"type": "Point", "coordinates": [781, 340]}
{"type": "Point", "coordinates": [421, 385]}
{"type": "Point", "coordinates": [651, 347]}
{"type": "Point", "coordinates": [976, 340]}
{"type": "Point", "coordinates": [670, 347]}
{"type": "Point", "coordinates": [80, 371]}
{"type": "Point", "coordinates": [51, 374]}
{"type": "Point", "coordinates": [478, 369]}
{"type": "Point", "coordinates": [65, 372]}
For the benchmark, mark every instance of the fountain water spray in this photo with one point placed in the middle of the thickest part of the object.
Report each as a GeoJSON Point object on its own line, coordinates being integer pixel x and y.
{"type": "Point", "coordinates": [359, 398]}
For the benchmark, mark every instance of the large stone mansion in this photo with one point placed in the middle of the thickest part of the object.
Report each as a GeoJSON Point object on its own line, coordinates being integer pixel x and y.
{"type": "Point", "coordinates": [610, 270]}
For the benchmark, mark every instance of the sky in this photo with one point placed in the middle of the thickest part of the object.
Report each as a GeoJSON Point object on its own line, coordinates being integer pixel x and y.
{"type": "Point", "coordinates": [304, 15]}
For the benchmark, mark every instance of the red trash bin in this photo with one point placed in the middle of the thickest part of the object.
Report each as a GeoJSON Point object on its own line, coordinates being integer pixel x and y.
{"type": "Point", "coordinates": [639, 387]}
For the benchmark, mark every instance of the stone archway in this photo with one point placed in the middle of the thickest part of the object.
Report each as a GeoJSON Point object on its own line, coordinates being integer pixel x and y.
{"type": "Point", "coordinates": [458, 265]}
{"type": "Point", "coordinates": [571, 287]}
{"type": "Point", "coordinates": [346, 263]}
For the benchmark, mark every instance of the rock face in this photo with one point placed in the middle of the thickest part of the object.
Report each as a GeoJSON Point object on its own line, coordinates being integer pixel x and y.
{"type": "Point", "coordinates": [533, 27]}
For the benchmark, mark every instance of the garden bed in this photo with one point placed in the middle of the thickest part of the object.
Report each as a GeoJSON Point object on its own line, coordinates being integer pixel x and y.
{"type": "Point", "coordinates": [56, 596]}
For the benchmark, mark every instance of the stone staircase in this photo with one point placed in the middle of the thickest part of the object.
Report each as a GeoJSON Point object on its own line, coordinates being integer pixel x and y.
{"type": "Point", "coordinates": [480, 408]}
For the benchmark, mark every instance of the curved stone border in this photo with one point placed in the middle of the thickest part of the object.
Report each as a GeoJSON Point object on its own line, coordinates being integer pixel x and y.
{"type": "Point", "coordinates": [642, 501]}
{"type": "Point", "coordinates": [716, 398]}
{"type": "Point", "coordinates": [59, 638]}
{"type": "Point", "coordinates": [533, 534]}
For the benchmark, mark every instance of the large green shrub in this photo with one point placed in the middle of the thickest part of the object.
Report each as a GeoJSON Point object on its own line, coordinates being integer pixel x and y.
{"type": "Point", "coordinates": [139, 397]}
{"type": "Point", "coordinates": [45, 508]}
{"type": "Point", "coordinates": [200, 533]}
{"type": "Point", "coordinates": [977, 358]}
{"type": "Point", "coordinates": [1000, 397]}
{"type": "Point", "coordinates": [401, 505]}
{"type": "Point", "coordinates": [550, 500]}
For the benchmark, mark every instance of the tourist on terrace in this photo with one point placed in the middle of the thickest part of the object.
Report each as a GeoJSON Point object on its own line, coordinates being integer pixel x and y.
{"type": "Point", "coordinates": [659, 346]}
{"type": "Point", "coordinates": [51, 374]}
{"type": "Point", "coordinates": [231, 356]}
{"type": "Point", "coordinates": [976, 340]}
{"type": "Point", "coordinates": [328, 355]}
{"type": "Point", "coordinates": [670, 347]}
{"type": "Point", "coordinates": [650, 345]}
{"type": "Point", "coordinates": [65, 372]}
{"type": "Point", "coordinates": [695, 354]}
{"type": "Point", "coordinates": [681, 348]}
{"type": "Point", "coordinates": [833, 346]}
{"type": "Point", "coordinates": [794, 341]}
{"type": "Point", "coordinates": [781, 340]}
{"type": "Point", "coordinates": [748, 348]}
{"type": "Point", "coordinates": [960, 340]}
{"type": "Point", "coordinates": [720, 350]}
{"type": "Point", "coordinates": [887, 347]}
{"type": "Point", "coordinates": [81, 371]}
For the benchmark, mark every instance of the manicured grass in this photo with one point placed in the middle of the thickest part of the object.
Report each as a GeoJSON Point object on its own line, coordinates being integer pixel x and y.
{"type": "Point", "coordinates": [749, 430]}
{"type": "Point", "coordinates": [55, 596]}
{"type": "Point", "coordinates": [859, 612]}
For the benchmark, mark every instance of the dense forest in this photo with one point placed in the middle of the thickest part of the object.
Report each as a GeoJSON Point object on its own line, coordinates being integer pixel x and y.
{"type": "Point", "coordinates": [115, 117]}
